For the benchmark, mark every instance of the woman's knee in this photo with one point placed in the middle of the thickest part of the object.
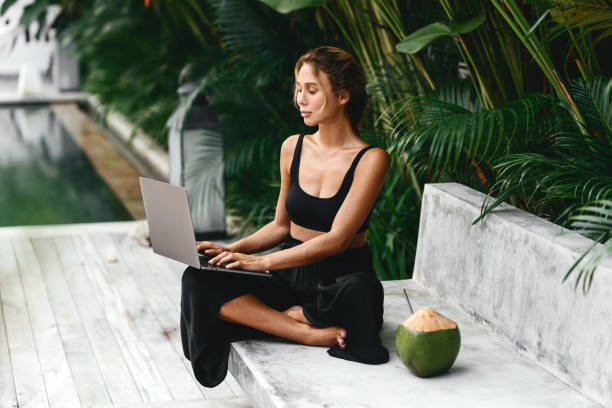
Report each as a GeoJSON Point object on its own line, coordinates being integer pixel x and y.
{"type": "Point", "coordinates": [190, 277]}
{"type": "Point", "coordinates": [238, 306]}
{"type": "Point", "coordinates": [198, 281]}
{"type": "Point", "coordinates": [363, 286]}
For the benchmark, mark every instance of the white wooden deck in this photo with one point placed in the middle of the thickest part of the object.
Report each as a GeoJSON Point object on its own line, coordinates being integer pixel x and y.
{"type": "Point", "coordinates": [90, 318]}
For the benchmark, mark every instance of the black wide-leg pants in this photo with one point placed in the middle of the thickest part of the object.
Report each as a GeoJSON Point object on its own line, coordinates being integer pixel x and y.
{"type": "Point", "coordinates": [342, 290]}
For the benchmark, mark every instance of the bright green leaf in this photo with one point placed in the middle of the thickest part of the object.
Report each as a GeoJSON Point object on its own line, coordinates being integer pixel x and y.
{"type": "Point", "coordinates": [422, 37]}
{"type": "Point", "coordinates": [465, 26]}
{"type": "Point", "coordinates": [287, 6]}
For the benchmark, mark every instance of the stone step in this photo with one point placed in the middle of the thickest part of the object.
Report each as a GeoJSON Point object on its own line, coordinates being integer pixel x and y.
{"type": "Point", "coordinates": [489, 371]}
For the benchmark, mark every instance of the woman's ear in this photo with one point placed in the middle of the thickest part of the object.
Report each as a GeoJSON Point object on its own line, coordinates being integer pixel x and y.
{"type": "Point", "coordinates": [344, 97]}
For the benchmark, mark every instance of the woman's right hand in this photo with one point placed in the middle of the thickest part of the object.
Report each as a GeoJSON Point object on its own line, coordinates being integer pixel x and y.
{"type": "Point", "coordinates": [210, 248]}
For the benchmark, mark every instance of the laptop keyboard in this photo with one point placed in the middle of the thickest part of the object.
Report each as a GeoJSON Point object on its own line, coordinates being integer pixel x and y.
{"type": "Point", "coordinates": [205, 265]}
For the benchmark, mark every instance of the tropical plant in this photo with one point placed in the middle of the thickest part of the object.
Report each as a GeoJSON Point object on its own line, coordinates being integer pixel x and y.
{"type": "Point", "coordinates": [494, 56]}
{"type": "Point", "coordinates": [122, 62]}
{"type": "Point", "coordinates": [588, 26]}
{"type": "Point", "coordinates": [130, 50]}
{"type": "Point", "coordinates": [574, 171]}
{"type": "Point", "coordinates": [394, 225]}
{"type": "Point", "coordinates": [486, 95]}
{"type": "Point", "coordinates": [593, 221]}
{"type": "Point", "coordinates": [518, 22]}
{"type": "Point", "coordinates": [439, 137]}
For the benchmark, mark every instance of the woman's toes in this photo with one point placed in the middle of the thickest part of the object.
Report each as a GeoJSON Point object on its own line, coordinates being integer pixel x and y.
{"type": "Point", "coordinates": [340, 338]}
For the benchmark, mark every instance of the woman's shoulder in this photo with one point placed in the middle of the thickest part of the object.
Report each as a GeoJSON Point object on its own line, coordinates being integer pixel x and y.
{"type": "Point", "coordinates": [288, 147]}
{"type": "Point", "coordinates": [289, 144]}
{"type": "Point", "coordinates": [292, 139]}
{"type": "Point", "coordinates": [376, 156]}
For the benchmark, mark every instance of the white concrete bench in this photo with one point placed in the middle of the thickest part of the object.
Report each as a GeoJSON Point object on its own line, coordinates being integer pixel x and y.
{"type": "Point", "coordinates": [495, 366]}
{"type": "Point", "coordinates": [507, 272]}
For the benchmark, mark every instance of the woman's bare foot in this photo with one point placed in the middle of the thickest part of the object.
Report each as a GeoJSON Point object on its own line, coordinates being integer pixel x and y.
{"type": "Point", "coordinates": [297, 313]}
{"type": "Point", "coordinates": [328, 336]}
{"type": "Point", "coordinates": [250, 311]}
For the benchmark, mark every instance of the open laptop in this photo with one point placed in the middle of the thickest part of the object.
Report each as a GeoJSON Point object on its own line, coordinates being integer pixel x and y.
{"type": "Point", "coordinates": [171, 229]}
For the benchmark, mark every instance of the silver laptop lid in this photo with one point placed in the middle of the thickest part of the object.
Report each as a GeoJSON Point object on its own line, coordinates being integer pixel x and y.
{"type": "Point", "coordinates": [169, 221]}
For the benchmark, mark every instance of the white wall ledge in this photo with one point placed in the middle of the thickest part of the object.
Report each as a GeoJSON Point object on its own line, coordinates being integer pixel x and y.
{"type": "Point", "coordinates": [507, 271]}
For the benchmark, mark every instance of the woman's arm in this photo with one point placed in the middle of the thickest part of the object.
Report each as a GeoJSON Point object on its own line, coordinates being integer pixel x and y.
{"type": "Point", "coordinates": [263, 239]}
{"type": "Point", "coordinates": [368, 181]}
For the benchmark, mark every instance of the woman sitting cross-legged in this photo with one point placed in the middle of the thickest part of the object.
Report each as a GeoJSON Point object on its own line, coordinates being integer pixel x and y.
{"type": "Point", "coordinates": [324, 291]}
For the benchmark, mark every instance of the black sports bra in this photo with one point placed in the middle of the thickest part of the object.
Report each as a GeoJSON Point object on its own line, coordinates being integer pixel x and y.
{"type": "Point", "coordinates": [314, 212]}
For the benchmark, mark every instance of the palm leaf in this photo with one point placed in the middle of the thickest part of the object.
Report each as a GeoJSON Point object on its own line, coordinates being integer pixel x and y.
{"type": "Point", "coordinates": [594, 98]}
{"type": "Point", "coordinates": [567, 177]}
{"type": "Point", "coordinates": [577, 166]}
{"type": "Point", "coordinates": [450, 134]}
{"type": "Point", "coordinates": [460, 93]}
{"type": "Point", "coordinates": [586, 16]}
{"type": "Point", "coordinates": [594, 221]}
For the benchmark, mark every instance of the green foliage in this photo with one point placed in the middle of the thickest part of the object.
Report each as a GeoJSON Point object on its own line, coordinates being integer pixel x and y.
{"type": "Point", "coordinates": [416, 41]}
{"type": "Point", "coordinates": [574, 169]}
{"type": "Point", "coordinates": [588, 24]}
{"type": "Point", "coordinates": [438, 136]}
{"type": "Point", "coordinates": [133, 58]}
{"type": "Point", "coordinates": [494, 102]}
{"type": "Point", "coordinates": [287, 6]}
{"type": "Point", "coordinates": [499, 67]}
{"type": "Point", "coordinates": [393, 228]}
{"type": "Point", "coordinates": [548, 154]}
{"type": "Point", "coordinates": [593, 221]}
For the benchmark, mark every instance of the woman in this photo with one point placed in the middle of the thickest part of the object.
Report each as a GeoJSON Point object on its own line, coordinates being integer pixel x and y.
{"type": "Point", "coordinates": [324, 291]}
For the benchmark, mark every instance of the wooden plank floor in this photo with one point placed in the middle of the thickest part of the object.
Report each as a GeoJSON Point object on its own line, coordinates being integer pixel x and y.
{"type": "Point", "coordinates": [89, 317]}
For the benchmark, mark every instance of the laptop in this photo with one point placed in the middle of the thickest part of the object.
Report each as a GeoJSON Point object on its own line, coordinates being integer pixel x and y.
{"type": "Point", "coordinates": [171, 229]}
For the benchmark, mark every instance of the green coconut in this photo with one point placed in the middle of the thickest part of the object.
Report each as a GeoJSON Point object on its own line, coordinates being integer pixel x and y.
{"type": "Point", "coordinates": [427, 342]}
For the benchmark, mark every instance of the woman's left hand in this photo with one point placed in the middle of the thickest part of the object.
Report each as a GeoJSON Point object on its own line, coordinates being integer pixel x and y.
{"type": "Point", "coordinates": [237, 260]}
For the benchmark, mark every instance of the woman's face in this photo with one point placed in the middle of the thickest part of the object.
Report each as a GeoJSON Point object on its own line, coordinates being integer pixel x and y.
{"type": "Point", "coordinates": [314, 96]}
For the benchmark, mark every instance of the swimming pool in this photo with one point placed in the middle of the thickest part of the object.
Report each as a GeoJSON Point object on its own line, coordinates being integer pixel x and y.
{"type": "Point", "coordinates": [45, 178]}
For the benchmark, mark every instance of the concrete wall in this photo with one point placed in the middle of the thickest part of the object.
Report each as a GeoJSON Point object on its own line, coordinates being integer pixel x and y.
{"type": "Point", "coordinates": [507, 271]}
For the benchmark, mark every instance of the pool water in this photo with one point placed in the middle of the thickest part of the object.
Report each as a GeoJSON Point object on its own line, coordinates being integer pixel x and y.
{"type": "Point", "coordinates": [44, 176]}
